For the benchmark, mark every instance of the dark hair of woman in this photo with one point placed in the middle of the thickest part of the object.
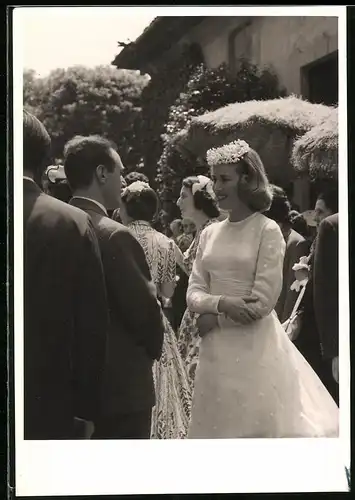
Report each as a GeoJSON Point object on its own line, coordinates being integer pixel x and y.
{"type": "Point", "coordinates": [60, 190]}
{"type": "Point", "coordinates": [299, 224]}
{"type": "Point", "coordinates": [255, 191]}
{"type": "Point", "coordinates": [280, 208]}
{"type": "Point", "coordinates": [330, 199]}
{"type": "Point", "coordinates": [202, 199]}
{"type": "Point", "coordinates": [141, 205]}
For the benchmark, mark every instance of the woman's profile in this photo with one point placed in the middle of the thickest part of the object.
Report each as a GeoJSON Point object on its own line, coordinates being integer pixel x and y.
{"type": "Point", "coordinates": [197, 202]}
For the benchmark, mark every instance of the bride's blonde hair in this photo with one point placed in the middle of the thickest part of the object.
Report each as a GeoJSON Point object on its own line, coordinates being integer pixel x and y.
{"type": "Point", "coordinates": [253, 187]}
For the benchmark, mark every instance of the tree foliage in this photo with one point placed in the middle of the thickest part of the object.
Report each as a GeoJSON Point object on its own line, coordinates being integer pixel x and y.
{"type": "Point", "coordinates": [167, 82]}
{"type": "Point", "coordinates": [206, 90]}
{"type": "Point", "coordinates": [80, 100]}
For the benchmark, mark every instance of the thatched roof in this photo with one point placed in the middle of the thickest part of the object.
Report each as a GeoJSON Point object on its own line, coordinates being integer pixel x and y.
{"type": "Point", "coordinates": [161, 34]}
{"type": "Point", "coordinates": [316, 152]}
{"type": "Point", "coordinates": [270, 127]}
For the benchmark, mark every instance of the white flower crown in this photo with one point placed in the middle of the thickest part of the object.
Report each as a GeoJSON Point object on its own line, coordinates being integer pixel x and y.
{"type": "Point", "coordinates": [203, 183]}
{"type": "Point", "coordinates": [229, 153]}
{"type": "Point", "coordinates": [135, 187]}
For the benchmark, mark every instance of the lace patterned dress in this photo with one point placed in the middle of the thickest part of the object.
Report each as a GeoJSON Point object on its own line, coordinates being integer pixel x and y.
{"type": "Point", "coordinates": [171, 414]}
{"type": "Point", "coordinates": [188, 337]}
{"type": "Point", "coordinates": [251, 381]}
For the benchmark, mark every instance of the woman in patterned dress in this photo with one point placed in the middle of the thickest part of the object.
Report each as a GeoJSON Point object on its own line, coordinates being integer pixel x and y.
{"type": "Point", "coordinates": [170, 416]}
{"type": "Point", "coordinates": [197, 202]}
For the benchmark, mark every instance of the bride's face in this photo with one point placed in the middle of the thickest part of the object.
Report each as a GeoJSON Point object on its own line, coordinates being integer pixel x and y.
{"type": "Point", "coordinates": [225, 184]}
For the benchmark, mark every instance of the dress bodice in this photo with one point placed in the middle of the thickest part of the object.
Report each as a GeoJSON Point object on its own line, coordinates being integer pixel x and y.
{"type": "Point", "coordinates": [230, 257]}
{"type": "Point", "coordinates": [237, 259]}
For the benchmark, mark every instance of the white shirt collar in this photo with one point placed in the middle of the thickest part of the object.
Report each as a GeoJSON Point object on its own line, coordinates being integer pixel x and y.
{"type": "Point", "coordinates": [92, 201]}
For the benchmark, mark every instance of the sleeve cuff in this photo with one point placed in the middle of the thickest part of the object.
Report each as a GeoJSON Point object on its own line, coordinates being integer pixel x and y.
{"type": "Point", "coordinates": [215, 303]}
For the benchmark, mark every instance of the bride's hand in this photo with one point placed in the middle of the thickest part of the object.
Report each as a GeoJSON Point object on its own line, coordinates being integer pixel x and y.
{"type": "Point", "coordinates": [236, 308]}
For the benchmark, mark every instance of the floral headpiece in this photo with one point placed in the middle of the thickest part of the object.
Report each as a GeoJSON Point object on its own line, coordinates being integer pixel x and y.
{"type": "Point", "coordinates": [203, 183]}
{"type": "Point", "coordinates": [229, 153]}
{"type": "Point", "coordinates": [135, 187]}
{"type": "Point", "coordinates": [55, 173]}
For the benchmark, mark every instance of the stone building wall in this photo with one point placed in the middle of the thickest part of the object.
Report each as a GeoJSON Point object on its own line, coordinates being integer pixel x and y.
{"type": "Point", "coordinates": [285, 43]}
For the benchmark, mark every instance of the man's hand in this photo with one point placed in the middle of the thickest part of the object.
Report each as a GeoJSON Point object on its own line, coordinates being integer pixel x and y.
{"type": "Point", "coordinates": [335, 369]}
{"type": "Point", "coordinates": [206, 323]}
{"type": "Point", "coordinates": [237, 309]}
{"type": "Point", "coordinates": [293, 326]}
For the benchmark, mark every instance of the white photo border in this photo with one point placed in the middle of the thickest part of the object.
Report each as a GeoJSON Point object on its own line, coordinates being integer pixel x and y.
{"type": "Point", "coordinates": [66, 468]}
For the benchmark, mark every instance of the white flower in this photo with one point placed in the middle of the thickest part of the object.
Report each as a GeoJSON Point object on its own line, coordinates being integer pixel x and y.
{"type": "Point", "coordinates": [301, 269]}
{"type": "Point", "coordinates": [135, 187]}
{"type": "Point", "coordinates": [296, 285]}
{"type": "Point", "coordinates": [203, 183]}
{"type": "Point", "coordinates": [229, 153]}
{"type": "Point", "coordinates": [301, 264]}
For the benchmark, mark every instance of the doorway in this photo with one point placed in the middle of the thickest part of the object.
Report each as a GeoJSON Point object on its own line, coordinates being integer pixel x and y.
{"type": "Point", "coordinates": [320, 80]}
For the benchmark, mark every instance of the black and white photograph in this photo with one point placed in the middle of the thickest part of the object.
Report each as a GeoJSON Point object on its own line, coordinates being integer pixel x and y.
{"type": "Point", "coordinates": [181, 287]}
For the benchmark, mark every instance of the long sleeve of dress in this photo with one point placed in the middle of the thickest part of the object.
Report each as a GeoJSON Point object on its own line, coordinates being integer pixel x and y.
{"type": "Point", "coordinates": [198, 297]}
{"type": "Point", "coordinates": [167, 265]}
{"type": "Point", "coordinates": [269, 269]}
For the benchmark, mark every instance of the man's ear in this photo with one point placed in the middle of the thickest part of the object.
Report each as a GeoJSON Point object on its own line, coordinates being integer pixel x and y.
{"type": "Point", "coordinates": [101, 174]}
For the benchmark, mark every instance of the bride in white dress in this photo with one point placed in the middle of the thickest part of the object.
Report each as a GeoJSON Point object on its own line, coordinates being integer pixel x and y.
{"type": "Point", "coordinates": [251, 381]}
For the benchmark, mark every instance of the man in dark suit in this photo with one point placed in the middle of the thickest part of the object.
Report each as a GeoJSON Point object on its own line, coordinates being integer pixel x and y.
{"type": "Point", "coordinates": [309, 340]}
{"type": "Point", "coordinates": [65, 306]}
{"type": "Point", "coordinates": [326, 299]}
{"type": "Point", "coordinates": [93, 169]}
{"type": "Point", "coordinates": [296, 247]}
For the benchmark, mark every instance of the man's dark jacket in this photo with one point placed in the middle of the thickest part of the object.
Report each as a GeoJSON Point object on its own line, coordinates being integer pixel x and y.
{"type": "Point", "coordinates": [65, 316]}
{"type": "Point", "coordinates": [136, 329]}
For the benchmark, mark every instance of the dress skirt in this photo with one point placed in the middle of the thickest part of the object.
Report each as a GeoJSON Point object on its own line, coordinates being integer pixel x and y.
{"type": "Point", "coordinates": [172, 411]}
{"type": "Point", "coordinates": [189, 344]}
{"type": "Point", "coordinates": [252, 382]}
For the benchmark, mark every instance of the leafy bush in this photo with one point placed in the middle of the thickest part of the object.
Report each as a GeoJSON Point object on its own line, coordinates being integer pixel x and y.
{"type": "Point", "coordinates": [158, 96]}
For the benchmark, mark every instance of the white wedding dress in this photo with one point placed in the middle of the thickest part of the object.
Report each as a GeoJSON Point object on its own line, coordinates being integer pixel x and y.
{"type": "Point", "coordinates": [251, 381]}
